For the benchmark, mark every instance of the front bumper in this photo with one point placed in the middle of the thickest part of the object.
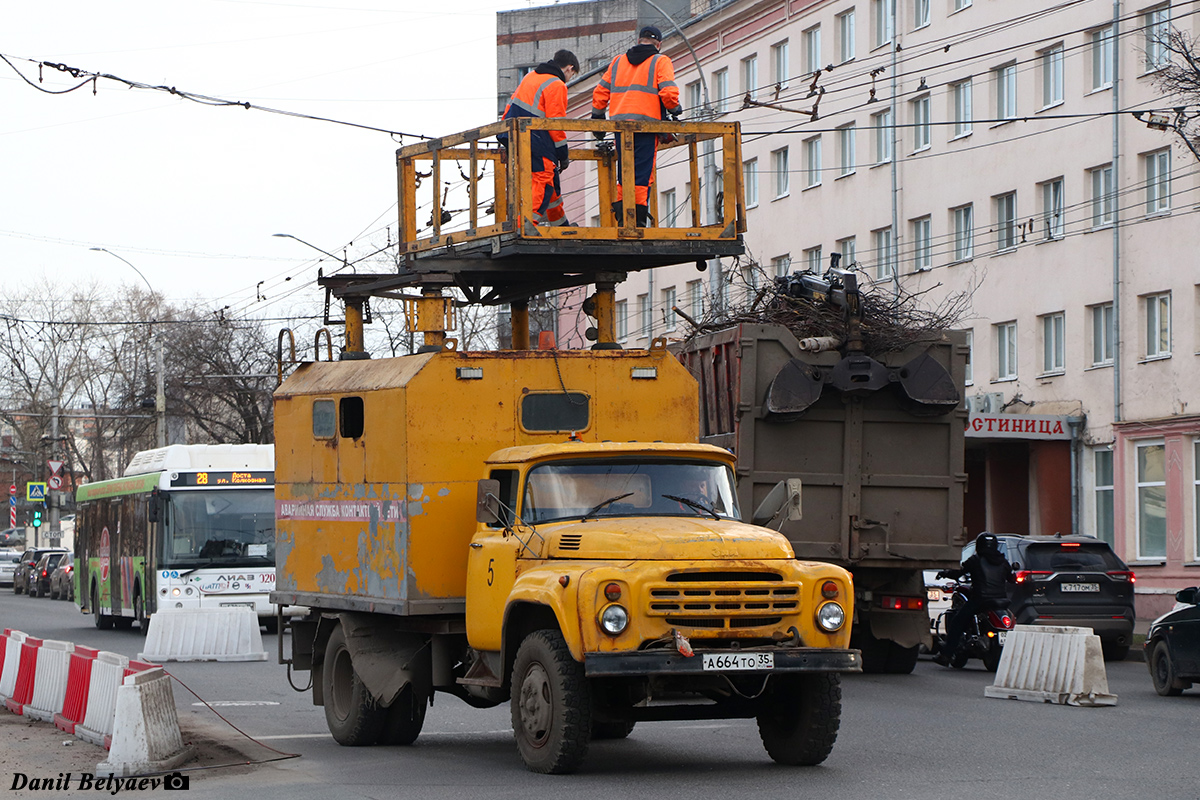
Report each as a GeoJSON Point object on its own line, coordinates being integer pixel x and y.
{"type": "Point", "coordinates": [670, 662]}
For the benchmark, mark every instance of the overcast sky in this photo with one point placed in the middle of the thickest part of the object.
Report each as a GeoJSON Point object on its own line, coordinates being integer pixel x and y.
{"type": "Point", "coordinates": [190, 194]}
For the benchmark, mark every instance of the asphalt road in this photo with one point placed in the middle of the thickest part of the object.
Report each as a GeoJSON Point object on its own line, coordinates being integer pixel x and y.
{"type": "Point", "coordinates": [930, 734]}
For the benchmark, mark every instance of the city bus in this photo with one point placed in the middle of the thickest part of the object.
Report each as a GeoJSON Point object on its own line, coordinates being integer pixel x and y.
{"type": "Point", "coordinates": [187, 526]}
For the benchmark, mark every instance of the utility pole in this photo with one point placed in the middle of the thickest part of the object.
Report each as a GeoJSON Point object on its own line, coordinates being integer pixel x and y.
{"type": "Point", "coordinates": [160, 395]}
{"type": "Point", "coordinates": [53, 496]}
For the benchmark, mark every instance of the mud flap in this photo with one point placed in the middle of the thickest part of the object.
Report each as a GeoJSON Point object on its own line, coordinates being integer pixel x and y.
{"type": "Point", "coordinates": [905, 629]}
{"type": "Point", "coordinates": [385, 659]}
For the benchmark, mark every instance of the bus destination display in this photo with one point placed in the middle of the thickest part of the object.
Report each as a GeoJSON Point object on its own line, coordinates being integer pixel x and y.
{"type": "Point", "coordinates": [224, 479]}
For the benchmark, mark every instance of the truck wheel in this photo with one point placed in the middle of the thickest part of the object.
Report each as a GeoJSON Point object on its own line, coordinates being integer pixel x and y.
{"type": "Point", "coordinates": [354, 717]}
{"type": "Point", "coordinates": [800, 718]}
{"type": "Point", "coordinates": [405, 716]}
{"type": "Point", "coordinates": [901, 660]}
{"type": "Point", "coordinates": [551, 705]}
{"type": "Point", "coordinates": [103, 621]}
{"type": "Point", "coordinates": [611, 730]}
{"type": "Point", "coordinates": [875, 652]}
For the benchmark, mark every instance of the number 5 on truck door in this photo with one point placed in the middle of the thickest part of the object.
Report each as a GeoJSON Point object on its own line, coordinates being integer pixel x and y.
{"type": "Point", "coordinates": [491, 572]}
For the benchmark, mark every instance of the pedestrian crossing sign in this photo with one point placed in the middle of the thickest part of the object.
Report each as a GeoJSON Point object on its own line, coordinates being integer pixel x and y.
{"type": "Point", "coordinates": [35, 492]}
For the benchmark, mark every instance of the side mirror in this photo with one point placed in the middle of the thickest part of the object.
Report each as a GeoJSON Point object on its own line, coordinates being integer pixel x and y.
{"type": "Point", "coordinates": [487, 502]}
{"type": "Point", "coordinates": [784, 496]}
{"type": "Point", "coordinates": [1016, 565]}
{"type": "Point", "coordinates": [152, 514]}
{"type": "Point", "coordinates": [1187, 596]}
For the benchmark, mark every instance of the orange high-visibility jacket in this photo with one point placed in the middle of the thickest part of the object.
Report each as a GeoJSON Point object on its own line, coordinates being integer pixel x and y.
{"type": "Point", "coordinates": [636, 92]}
{"type": "Point", "coordinates": [541, 95]}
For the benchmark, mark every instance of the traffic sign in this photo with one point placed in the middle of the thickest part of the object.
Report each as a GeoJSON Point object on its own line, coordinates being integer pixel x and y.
{"type": "Point", "coordinates": [35, 492]}
{"type": "Point", "coordinates": [55, 482]}
{"type": "Point", "coordinates": [12, 489]}
{"type": "Point", "coordinates": [55, 467]}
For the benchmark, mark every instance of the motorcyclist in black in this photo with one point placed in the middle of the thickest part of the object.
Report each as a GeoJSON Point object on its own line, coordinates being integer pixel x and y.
{"type": "Point", "coordinates": [989, 572]}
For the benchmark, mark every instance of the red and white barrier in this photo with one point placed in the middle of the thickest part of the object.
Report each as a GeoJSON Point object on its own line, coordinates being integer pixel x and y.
{"type": "Point", "coordinates": [50, 680]}
{"type": "Point", "coordinates": [108, 670]}
{"type": "Point", "coordinates": [79, 678]}
{"type": "Point", "coordinates": [26, 670]}
{"type": "Point", "coordinates": [12, 662]}
{"type": "Point", "coordinates": [146, 734]}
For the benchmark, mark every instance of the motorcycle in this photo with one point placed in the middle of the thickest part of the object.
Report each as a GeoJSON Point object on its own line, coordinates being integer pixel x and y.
{"type": "Point", "coordinates": [985, 633]}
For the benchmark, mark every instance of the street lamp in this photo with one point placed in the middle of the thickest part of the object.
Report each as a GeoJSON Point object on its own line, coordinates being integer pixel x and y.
{"type": "Point", "coordinates": [160, 391]}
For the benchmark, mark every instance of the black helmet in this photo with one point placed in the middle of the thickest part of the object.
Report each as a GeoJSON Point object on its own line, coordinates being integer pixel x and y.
{"type": "Point", "coordinates": [987, 543]}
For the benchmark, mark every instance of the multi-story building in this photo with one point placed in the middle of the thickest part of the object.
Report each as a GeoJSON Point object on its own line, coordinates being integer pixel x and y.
{"type": "Point", "coordinates": [996, 152]}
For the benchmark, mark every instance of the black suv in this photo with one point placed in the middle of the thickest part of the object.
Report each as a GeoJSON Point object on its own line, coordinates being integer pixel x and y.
{"type": "Point", "coordinates": [1173, 645]}
{"type": "Point", "coordinates": [1070, 580]}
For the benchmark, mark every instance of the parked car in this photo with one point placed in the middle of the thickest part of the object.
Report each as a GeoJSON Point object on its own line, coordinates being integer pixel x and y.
{"type": "Point", "coordinates": [39, 581]}
{"type": "Point", "coordinates": [29, 560]}
{"type": "Point", "coordinates": [8, 564]}
{"type": "Point", "coordinates": [1070, 580]}
{"type": "Point", "coordinates": [937, 593]}
{"type": "Point", "coordinates": [62, 579]}
{"type": "Point", "coordinates": [1173, 645]}
{"type": "Point", "coordinates": [12, 537]}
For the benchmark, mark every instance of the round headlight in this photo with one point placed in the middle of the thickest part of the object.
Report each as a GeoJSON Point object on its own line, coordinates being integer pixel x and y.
{"type": "Point", "coordinates": [831, 617]}
{"type": "Point", "coordinates": [613, 619]}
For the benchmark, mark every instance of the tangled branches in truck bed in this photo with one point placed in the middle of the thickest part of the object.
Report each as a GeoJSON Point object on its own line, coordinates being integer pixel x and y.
{"type": "Point", "coordinates": [889, 322]}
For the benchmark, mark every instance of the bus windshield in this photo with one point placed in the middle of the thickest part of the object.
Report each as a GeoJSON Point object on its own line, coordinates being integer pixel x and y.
{"type": "Point", "coordinates": [628, 487]}
{"type": "Point", "coordinates": [219, 528]}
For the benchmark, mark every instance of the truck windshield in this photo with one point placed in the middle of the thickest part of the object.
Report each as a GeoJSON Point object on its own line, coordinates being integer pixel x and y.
{"type": "Point", "coordinates": [220, 528]}
{"type": "Point", "coordinates": [628, 487]}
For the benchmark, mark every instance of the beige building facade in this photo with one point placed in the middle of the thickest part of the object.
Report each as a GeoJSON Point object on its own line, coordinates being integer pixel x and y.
{"type": "Point", "coordinates": [987, 149]}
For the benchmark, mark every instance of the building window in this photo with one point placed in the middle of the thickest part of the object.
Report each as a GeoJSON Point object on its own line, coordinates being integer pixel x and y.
{"type": "Point", "coordinates": [812, 50]}
{"type": "Point", "coordinates": [695, 299]}
{"type": "Point", "coordinates": [779, 64]}
{"type": "Point", "coordinates": [1102, 334]}
{"type": "Point", "coordinates": [1053, 344]}
{"type": "Point", "coordinates": [885, 253]}
{"type": "Point", "coordinates": [782, 265]}
{"type": "Point", "coordinates": [1158, 29]}
{"type": "Point", "coordinates": [1152, 500]}
{"type": "Point", "coordinates": [750, 76]}
{"type": "Point", "coordinates": [779, 167]}
{"type": "Point", "coordinates": [920, 13]}
{"type": "Point", "coordinates": [1006, 221]}
{"type": "Point", "coordinates": [1102, 195]}
{"type": "Point", "coordinates": [922, 233]}
{"type": "Point", "coordinates": [622, 319]}
{"type": "Point", "coordinates": [812, 161]}
{"type": "Point", "coordinates": [921, 123]}
{"type": "Point", "coordinates": [750, 281]}
{"type": "Point", "coordinates": [643, 312]}
{"type": "Point", "coordinates": [668, 305]}
{"type": "Point", "coordinates": [750, 181]}
{"type": "Point", "coordinates": [883, 12]}
{"type": "Point", "coordinates": [846, 149]}
{"type": "Point", "coordinates": [959, 5]}
{"type": "Point", "coordinates": [1101, 45]}
{"type": "Point", "coordinates": [846, 35]}
{"type": "Point", "coordinates": [1102, 459]}
{"type": "Point", "coordinates": [694, 98]}
{"type": "Point", "coordinates": [1052, 76]}
{"type": "Point", "coordinates": [1006, 351]}
{"type": "Point", "coordinates": [964, 235]}
{"type": "Point", "coordinates": [813, 260]}
{"type": "Point", "coordinates": [667, 208]}
{"type": "Point", "coordinates": [721, 90]}
{"type": "Point", "coordinates": [969, 367]}
{"type": "Point", "coordinates": [1005, 79]}
{"type": "Point", "coordinates": [1052, 208]}
{"type": "Point", "coordinates": [1158, 325]}
{"type": "Point", "coordinates": [848, 247]}
{"type": "Point", "coordinates": [882, 123]}
{"type": "Point", "coordinates": [960, 94]}
{"type": "Point", "coordinates": [1158, 181]}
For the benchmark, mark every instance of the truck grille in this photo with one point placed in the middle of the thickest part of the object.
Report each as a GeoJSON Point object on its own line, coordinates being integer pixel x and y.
{"type": "Point", "coordinates": [570, 541]}
{"type": "Point", "coordinates": [723, 600]}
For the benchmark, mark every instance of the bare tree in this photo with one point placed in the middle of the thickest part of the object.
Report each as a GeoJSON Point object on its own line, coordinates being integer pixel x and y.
{"type": "Point", "coordinates": [1178, 77]}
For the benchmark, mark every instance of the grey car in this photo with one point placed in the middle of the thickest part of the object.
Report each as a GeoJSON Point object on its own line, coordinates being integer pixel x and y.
{"type": "Point", "coordinates": [22, 578]}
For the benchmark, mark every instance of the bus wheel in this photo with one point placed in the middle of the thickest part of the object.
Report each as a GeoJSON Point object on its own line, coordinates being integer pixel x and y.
{"type": "Point", "coordinates": [139, 612]}
{"type": "Point", "coordinates": [103, 621]}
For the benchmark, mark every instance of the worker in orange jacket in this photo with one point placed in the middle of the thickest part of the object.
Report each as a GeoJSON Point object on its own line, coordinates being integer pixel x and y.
{"type": "Point", "coordinates": [543, 93]}
{"type": "Point", "coordinates": [638, 85]}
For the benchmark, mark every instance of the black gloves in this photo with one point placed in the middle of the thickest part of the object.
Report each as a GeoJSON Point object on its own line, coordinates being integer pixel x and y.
{"type": "Point", "coordinates": [564, 161]}
{"type": "Point", "coordinates": [675, 115]}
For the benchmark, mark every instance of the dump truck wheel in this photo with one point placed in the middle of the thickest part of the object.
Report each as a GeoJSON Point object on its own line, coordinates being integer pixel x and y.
{"type": "Point", "coordinates": [551, 705]}
{"type": "Point", "coordinates": [901, 660]}
{"type": "Point", "coordinates": [800, 718]}
{"type": "Point", "coordinates": [405, 717]}
{"type": "Point", "coordinates": [354, 717]}
{"type": "Point", "coordinates": [611, 730]}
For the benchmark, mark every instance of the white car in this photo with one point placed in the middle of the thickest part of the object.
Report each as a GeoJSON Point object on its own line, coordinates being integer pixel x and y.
{"type": "Point", "coordinates": [937, 593]}
{"type": "Point", "coordinates": [8, 565]}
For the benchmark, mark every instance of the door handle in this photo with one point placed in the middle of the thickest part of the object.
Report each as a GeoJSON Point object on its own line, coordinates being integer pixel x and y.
{"type": "Point", "coordinates": [476, 545]}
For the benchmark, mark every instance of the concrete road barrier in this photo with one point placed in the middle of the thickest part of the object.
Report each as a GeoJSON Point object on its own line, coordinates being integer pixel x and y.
{"type": "Point", "coordinates": [204, 634]}
{"type": "Point", "coordinates": [146, 735]}
{"type": "Point", "coordinates": [1052, 664]}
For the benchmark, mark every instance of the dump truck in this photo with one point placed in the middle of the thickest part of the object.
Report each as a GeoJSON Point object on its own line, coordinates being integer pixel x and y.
{"type": "Point", "coordinates": [876, 440]}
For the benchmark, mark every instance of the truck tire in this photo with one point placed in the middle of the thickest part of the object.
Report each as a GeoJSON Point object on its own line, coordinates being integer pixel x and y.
{"type": "Point", "coordinates": [405, 717]}
{"type": "Point", "coordinates": [619, 729]}
{"type": "Point", "coordinates": [103, 621]}
{"type": "Point", "coordinates": [901, 660]}
{"type": "Point", "coordinates": [354, 717]}
{"type": "Point", "coordinates": [551, 705]}
{"type": "Point", "coordinates": [800, 718]}
{"type": "Point", "coordinates": [875, 652]}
